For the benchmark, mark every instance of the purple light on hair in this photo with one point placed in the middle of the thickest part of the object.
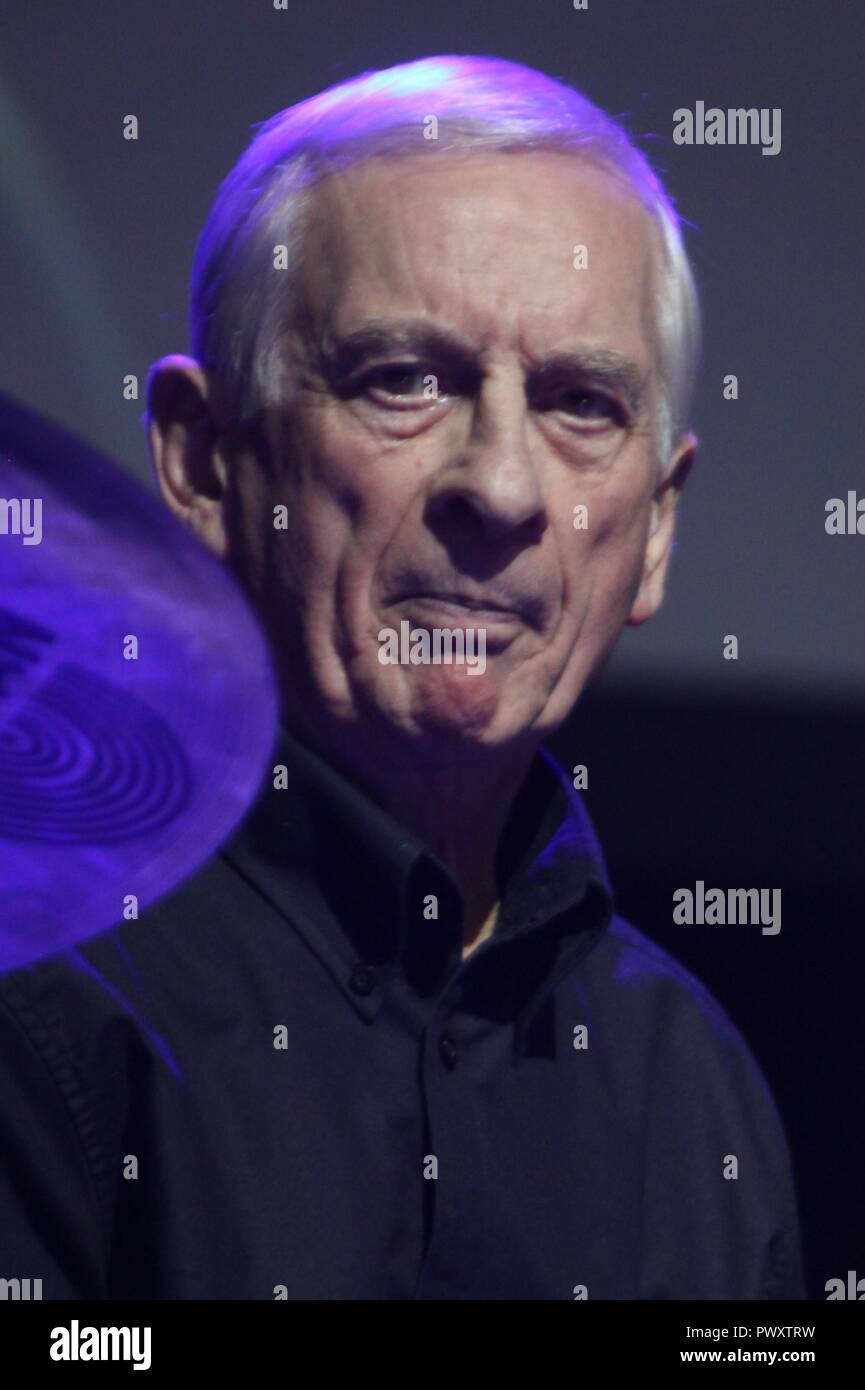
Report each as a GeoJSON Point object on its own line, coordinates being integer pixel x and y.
{"type": "Point", "coordinates": [479, 103]}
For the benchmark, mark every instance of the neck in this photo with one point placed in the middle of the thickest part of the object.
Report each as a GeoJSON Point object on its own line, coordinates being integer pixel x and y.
{"type": "Point", "coordinates": [455, 800]}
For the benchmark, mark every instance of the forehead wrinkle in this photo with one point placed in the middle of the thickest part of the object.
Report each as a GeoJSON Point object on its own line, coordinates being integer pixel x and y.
{"type": "Point", "coordinates": [492, 323]}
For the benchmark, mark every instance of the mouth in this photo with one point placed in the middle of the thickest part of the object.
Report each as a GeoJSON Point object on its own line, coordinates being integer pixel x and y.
{"type": "Point", "coordinates": [500, 605]}
{"type": "Point", "coordinates": [482, 610]}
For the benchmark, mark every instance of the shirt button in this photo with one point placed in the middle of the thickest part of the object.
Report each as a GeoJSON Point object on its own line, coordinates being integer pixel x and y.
{"type": "Point", "coordinates": [448, 1051]}
{"type": "Point", "coordinates": [362, 979]}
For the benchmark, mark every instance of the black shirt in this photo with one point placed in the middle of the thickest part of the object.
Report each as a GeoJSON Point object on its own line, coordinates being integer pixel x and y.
{"type": "Point", "coordinates": [284, 1081]}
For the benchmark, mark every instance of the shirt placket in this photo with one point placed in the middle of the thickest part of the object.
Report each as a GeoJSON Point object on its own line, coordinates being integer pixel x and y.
{"type": "Point", "coordinates": [459, 1233]}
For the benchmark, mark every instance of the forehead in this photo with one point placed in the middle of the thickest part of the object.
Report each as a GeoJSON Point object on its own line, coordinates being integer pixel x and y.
{"type": "Point", "coordinates": [483, 243]}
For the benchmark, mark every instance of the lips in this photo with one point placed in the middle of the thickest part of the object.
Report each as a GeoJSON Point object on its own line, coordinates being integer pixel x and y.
{"type": "Point", "coordinates": [491, 612]}
{"type": "Point", "coordinates": [475, 605]}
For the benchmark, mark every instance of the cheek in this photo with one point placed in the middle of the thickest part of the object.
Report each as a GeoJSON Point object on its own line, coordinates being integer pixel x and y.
{"type": "Point", "coordinates": [605, 561]}
{"type": "Point", "coordinates": [354, 467]}
{"type": "Point", "coordinates": [376, 481]}
{"type": "Point", "coordinates": [346, 497]}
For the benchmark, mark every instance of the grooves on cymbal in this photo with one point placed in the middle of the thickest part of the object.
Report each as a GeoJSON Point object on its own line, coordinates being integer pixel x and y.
{"type": "Point", "coordinates": [86, 762]}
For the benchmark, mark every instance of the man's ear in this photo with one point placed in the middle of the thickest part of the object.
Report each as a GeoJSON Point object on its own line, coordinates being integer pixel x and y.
{"type": "Point", "coordinates": [659, 543]}
{"type": "Point", "coordinates": [183, 435]}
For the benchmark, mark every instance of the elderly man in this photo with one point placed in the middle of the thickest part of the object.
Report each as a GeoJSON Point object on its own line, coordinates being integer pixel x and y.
{"type": "Point", "coordinates": [392, 1042]}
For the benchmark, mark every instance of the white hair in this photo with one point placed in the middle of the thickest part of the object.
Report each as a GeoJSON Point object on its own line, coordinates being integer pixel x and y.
{"type": "Point", "coordinates": [478, 103]}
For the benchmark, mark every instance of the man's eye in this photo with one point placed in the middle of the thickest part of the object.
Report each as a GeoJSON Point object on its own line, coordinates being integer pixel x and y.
{"type": "Point", "coordinates": [399, 379]}
{"type": "Point", "coordinates": [587, 405]}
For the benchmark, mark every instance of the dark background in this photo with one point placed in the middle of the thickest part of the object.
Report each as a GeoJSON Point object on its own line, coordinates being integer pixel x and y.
{"type": "Point", "coordinates": [746, 773]}
{"type": "Point", "coordinates": [753, 790]}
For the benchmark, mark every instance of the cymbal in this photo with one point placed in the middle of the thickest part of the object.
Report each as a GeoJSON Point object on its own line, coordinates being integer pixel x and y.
{"type": "Point", "coordinates": [138, 704]}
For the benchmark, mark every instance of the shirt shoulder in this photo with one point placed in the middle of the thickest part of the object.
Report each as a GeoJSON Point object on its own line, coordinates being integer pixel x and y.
{"type": "Point", "coordinates": [90, 1011]}
{"type": "Point", "coordinates": [693, 1096]}
{"type": "Point", "coordinates": [663, 1012]}
{"type": "Point", "coordinates": [672, 1052]}
{"type": "Point", "coordinates": [656, 979]}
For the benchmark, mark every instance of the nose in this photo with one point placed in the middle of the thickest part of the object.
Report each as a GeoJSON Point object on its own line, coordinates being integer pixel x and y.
{"type": "Point", "coordinates": [489, 486]}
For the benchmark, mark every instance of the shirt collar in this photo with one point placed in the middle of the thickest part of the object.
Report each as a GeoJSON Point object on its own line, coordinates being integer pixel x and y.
{"type": "Point", "coordinates": [354, 881]}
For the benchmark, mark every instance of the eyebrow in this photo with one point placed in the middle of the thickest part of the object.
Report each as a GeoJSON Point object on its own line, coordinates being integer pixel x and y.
{"type": "Point", "coordinates": [605, 366]}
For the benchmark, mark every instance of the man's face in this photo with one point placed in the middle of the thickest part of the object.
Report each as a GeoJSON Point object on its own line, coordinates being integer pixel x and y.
{"type": "Point", "coordinates": [402, 503]}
